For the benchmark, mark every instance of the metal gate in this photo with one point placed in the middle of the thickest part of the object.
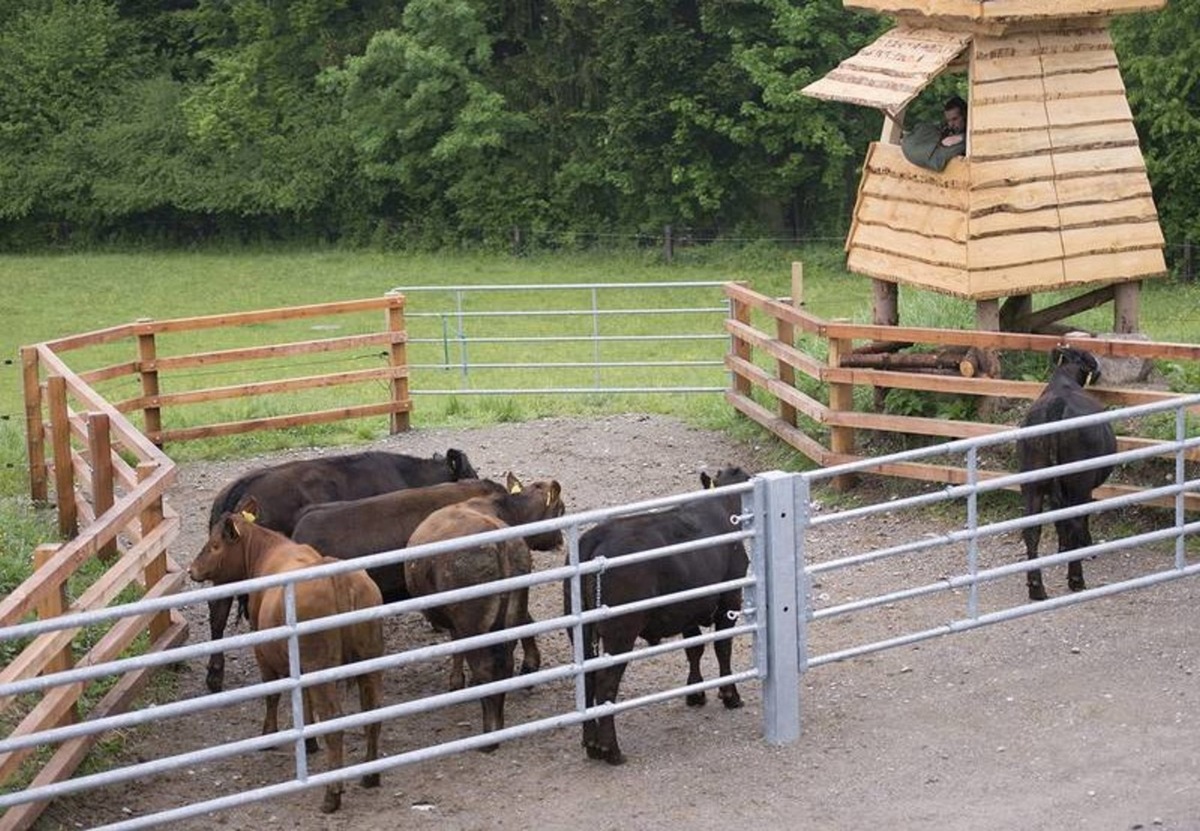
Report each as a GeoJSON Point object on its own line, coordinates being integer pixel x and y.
{"type": "Point", "coordinates": [962, 574]}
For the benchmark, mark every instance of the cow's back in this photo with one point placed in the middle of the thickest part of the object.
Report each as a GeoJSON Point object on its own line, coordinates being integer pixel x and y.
{"type": "Point", "coordinates": [383, 522]}
{"type": "Point", "coordinates": [283, 490]}
{"type": "Point", "coordinates": [668, 574]}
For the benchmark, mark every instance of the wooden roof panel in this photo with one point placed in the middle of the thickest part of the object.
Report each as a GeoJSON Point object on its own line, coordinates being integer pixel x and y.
{"type": "Point", "coordinates": [893, 70]}
{"type": "Point", "coordinates": [1005, 11]}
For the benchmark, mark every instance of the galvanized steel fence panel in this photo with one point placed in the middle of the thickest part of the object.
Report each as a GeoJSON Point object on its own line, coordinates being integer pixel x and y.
{"type": "Point", "coordinates": [782, 615]}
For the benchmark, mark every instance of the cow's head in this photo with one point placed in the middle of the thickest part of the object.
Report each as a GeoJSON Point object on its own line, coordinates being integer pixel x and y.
{"type": "Point", "coordinates": [541, 499]}
{"type": "Point", "coordinates": [725, 476]}
{"type": "Point", "coordinates": [1079, 365]}
{"type": "Point", "coordinates": [460, 466]}
{"type": "Point", "coordinates": [223, 557]}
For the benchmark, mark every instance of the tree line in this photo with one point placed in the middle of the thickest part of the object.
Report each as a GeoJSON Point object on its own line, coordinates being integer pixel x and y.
{"type": "Point", "coordinates": [437, 122]}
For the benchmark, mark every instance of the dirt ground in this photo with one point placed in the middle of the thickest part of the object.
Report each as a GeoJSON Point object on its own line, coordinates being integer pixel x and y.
{"type": "Point", "coordinates": [1085, 718]}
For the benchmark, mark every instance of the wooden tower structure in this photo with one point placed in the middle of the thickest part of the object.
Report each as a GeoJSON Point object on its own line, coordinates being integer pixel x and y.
{"type": "Point", "coordinates": [1052, 193]}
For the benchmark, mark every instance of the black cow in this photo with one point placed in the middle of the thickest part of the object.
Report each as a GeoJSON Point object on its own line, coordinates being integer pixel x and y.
{"type": "Point", "coordinates": [1064, 397]}
{"type": "Point", "coordinates": [618, 584]}
{"type": "Point", "coordinates": [282, 491]}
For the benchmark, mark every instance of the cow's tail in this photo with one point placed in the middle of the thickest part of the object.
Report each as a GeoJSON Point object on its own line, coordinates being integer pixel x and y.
{"type": "Point", "coordinates": [591, 635]}
{"type": "Point", "coordinates": [1056, 412]}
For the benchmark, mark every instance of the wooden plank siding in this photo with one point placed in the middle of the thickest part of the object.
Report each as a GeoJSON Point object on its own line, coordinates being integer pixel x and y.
{"type": "Point", "coordinates": [1053, 191]}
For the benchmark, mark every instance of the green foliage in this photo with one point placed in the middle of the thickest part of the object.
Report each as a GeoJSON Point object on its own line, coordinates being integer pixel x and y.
{"type": "Point", "coordinates": [422, 124]}
{"type": "Point", "coordinates": [1160, 62]}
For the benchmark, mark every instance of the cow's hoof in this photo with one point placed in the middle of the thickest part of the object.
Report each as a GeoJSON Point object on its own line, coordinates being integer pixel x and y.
{"type": "Point", "coordinates": [1076, 585]}
{"type": "Point", "coordinates": [594, 751]}
{"type": "Point", "coordinates": [614, 756]}
{"type": "Point", "coordinates": [1037, 593]}
{"type": "Point", "coordinates": [331, 803]}
{"type": "Point", "coordinates": [215, 681]}
{"type": "Point", "coordinates": [371, 780]}
{"type": "Point", "coordinates": [732, 701]}
{"type": "Point", "coordinates": [489, 748]}
{"type": "Point", "coordinates": [311, 746]}
{"type": "Point", "coordinates": [697, 699]}
{"type": "Point", "coordinates": [527, 669]}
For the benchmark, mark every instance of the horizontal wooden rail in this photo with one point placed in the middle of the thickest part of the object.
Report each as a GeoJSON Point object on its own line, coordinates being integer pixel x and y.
{"type": "Point", "coordinates": [250, 390]}
{"type": "Point", "coordinates": [281, 350]}
{"type": "Point", "coordinates": [192, 324]}
{"type": "Point", "coordinates": [230, 428]}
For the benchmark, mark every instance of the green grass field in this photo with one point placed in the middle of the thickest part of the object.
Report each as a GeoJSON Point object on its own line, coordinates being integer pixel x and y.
{"type": "Point", "coordinates": [50, 296]}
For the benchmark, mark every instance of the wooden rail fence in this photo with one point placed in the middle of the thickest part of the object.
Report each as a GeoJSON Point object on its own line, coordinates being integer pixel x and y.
{"type": "Point", "coordinates": [765, 361]}
{"type": "Point", "coordinates": [109, 481]}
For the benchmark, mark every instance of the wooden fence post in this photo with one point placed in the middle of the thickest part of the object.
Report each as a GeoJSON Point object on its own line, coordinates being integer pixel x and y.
{"type": "Point", "coordinates": [54, 605]}
{"type": "Point", "coordinates": [148, 369]}
{"type": "Point", "coordinates": [398, 361]}
{"type": "Point", "coordinates": [64, 465]}
{"type": "Point", "coordinates": [100, 452]}
{"type": "Point", "coordinates": [668, 244]}
{"type": "Point", "coordinates": [786, 333]}
{"type": "Point", "coordinates": [841, 399]}
{"type": "Point", "coordinates": [35, 433]}
{"type": "Point", "coordinates": [741, 349]}
{"type": "Point", "coordinates": [156, 569]}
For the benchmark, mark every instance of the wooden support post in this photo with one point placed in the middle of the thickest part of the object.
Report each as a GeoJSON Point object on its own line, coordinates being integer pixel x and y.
{"type": "Point", "coordinates": [841, 399]}
{"type": "Point", "coordinates": [398, 361]}
{"type": "Point", "coordinates": [64, 467]}
{"type": "Point", "coordinates": [1126, 307]}
{"type": "Point", "coordinates": [798, 285]}
{"type": "Point", "coordinates": [885, 311]}
{"type": "Point", "coordinates": [1015, 312]}
{"type": "Point", "coordinates": [148, 369]}
{"type": "Point", "coordinates": [53, 605]}
{"type": "Point", "coordinates": [893, 128]}
{"type": "Point", "coordinates": [987, 315]}
{"type": "Point", "coordinates": [100, 453]}
{"type": "Point", "coordinates": [156, 569]}
{"type": "Point", "coordinates": [668, 245]}
{"type": "Point", "coordinates": [987, 319]}
{"type": "Point", "coordinates": [35, 431]}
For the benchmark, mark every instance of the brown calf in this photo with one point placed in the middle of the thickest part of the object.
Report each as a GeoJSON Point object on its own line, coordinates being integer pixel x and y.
{"type": "Point", "coordinates": [239, 549]}
{"type": "Point", "coordinates": [482, 564]}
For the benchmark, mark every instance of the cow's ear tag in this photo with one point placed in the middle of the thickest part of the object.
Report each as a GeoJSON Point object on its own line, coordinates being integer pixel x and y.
{"type": "Point", "coordinates": [1087, 382]}
{"type": "Point", "coordinates": [249, 517]}
{"type": "Point", "coordinates": [515, 487]}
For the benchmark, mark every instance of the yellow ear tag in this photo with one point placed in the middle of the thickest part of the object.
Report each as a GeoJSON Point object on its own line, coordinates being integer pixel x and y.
{"type": "Point", "coordinates": [516, 488]}
{"type": "Point", "coordinates": [249, 517]}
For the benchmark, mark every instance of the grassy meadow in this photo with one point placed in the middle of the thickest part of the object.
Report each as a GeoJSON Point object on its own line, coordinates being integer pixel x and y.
{"type": "Point", "coordinates": [51, 296]}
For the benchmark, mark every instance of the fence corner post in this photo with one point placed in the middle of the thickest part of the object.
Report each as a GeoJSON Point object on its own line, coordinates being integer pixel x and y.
{"type": "Point", "coordinates": [398, 420]}
{"type": "Point", "coordinates": [148, 370]}
{"type": "Point", "coordinates": [780, 502]}
{"type": "Point", "coordinates": [35, 431]}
